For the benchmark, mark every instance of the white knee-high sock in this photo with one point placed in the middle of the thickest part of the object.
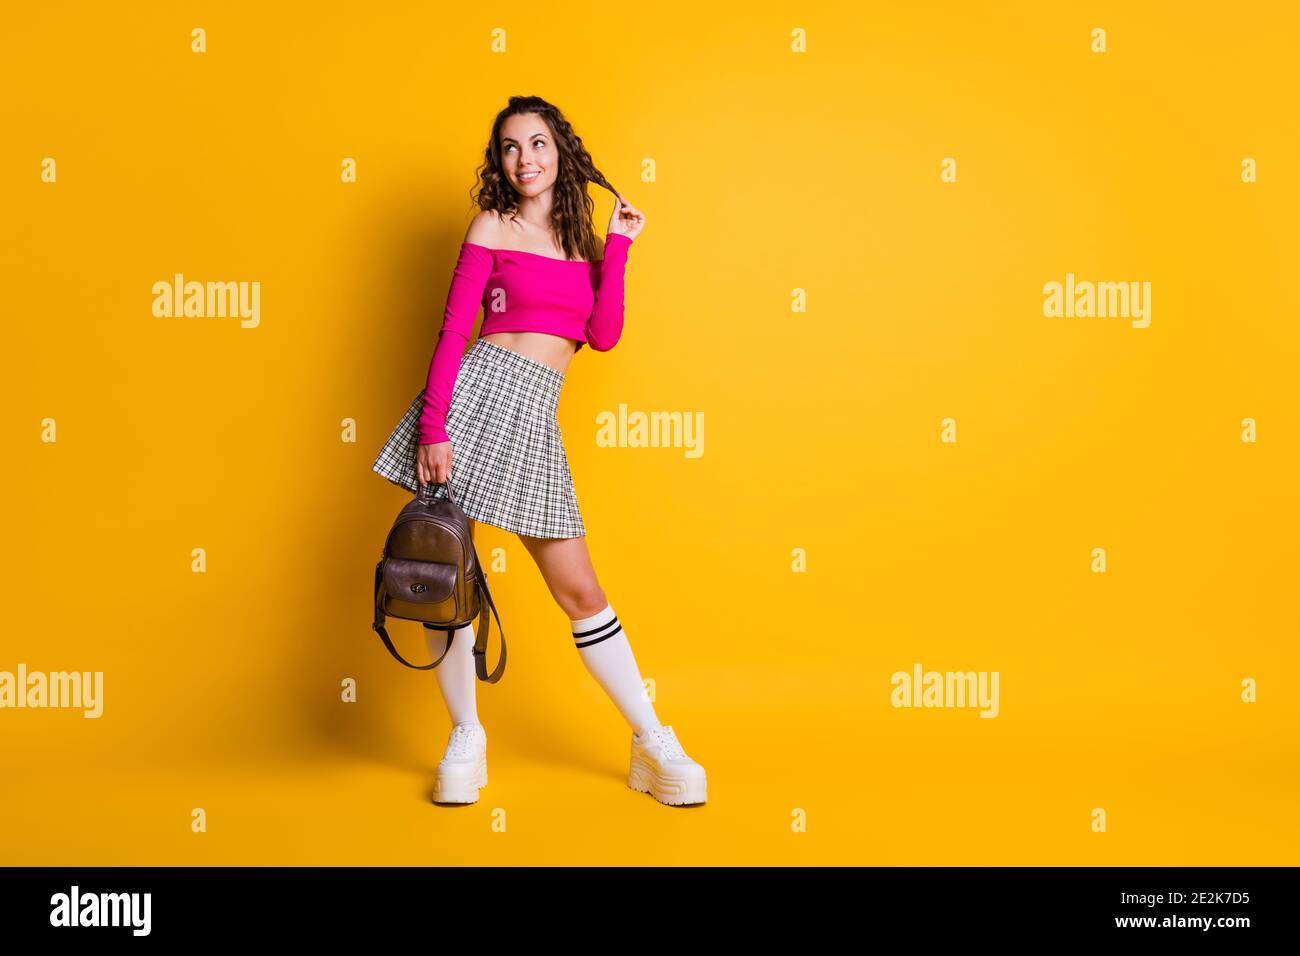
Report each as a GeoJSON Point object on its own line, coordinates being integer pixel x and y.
{"type": "Point", "coordinates": [604, 649]}
{"type": "Point", "coordinates": [456, 674]}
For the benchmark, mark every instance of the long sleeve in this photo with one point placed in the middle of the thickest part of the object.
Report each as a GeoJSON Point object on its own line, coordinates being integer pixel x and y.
{"type": "Point", "coordinates": [468, 281]}
{"type": "Point", "coordinates": [606, 323]}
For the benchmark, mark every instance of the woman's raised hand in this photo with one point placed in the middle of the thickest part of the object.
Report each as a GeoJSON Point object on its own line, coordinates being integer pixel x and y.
{"type": "Point", "coordinates": [627, 220]}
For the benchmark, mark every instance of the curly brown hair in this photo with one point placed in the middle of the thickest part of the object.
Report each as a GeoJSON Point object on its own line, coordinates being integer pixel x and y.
{"type": "Point", "coordinates": [571, 206]}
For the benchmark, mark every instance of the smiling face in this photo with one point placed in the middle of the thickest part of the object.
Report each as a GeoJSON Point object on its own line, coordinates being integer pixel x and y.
{"type": "Point", "coordinates": [529, 157]}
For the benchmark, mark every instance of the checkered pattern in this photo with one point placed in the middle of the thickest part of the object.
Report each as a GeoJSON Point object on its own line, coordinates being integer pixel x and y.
{"type": "Point", "coordinates": [508, 466]}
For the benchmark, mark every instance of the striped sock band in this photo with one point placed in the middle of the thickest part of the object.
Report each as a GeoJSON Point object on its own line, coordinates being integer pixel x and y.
{"type": "Point", "coordinates": [599, 627]}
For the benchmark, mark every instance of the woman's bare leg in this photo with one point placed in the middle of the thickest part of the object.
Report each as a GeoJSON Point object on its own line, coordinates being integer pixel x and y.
{"type": "Point", "coordinates": [597, 634]}
{"type": "Point", "coordinates": [566, 567]}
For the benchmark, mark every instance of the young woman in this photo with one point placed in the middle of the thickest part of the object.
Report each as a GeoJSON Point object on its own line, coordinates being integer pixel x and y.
{"type": "Point", "coordinates": [530, 258]}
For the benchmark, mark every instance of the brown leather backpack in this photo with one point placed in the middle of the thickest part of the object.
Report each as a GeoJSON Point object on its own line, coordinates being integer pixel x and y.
{"type": "Point", "coordinates": [430, 572]}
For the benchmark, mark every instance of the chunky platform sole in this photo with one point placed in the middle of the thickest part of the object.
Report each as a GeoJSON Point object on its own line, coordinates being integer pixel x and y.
{"type": "Point", "coordinates": [457, 788]}
{"type": "Point", "coordinates": [674, 790]}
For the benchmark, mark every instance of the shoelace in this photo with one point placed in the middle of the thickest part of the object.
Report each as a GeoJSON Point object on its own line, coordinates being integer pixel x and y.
{"type": "Point", "coordinates": [667, 740]}
{"type": "Point", "coordinates": [462, 735]}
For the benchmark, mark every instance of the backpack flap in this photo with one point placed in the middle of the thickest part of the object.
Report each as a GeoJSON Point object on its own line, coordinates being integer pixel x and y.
{"type": "Point", "coordinates": [418, 582]}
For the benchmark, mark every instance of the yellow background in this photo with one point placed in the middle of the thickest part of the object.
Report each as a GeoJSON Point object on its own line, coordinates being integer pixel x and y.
{"type": "Point", "coordinates": [774, 171]}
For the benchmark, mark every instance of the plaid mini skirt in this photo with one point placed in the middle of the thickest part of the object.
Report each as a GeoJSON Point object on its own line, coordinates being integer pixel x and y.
{"type": "Point", "coordinates": [508, 466]}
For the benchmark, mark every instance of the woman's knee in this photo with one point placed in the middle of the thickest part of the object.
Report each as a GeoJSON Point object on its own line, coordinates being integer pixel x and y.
{"type": "Point", "coordinates": [585, 602]}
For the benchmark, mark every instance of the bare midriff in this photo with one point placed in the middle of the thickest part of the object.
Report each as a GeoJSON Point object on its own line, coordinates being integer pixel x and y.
{"type": "Point", "coordinates": [552, 350]}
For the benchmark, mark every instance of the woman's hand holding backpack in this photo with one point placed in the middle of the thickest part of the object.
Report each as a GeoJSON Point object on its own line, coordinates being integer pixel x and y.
{"type": "Point", "coordinates": [433, 463]}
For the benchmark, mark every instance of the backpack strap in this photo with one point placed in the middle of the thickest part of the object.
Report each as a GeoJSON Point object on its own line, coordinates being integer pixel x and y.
{"type": "Point", "coordinates": [481, 634]}
{"type": "Point", "coordinates": [378, 625]}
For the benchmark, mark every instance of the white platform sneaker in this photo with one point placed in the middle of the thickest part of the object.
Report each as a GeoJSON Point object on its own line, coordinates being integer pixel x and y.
{"type": "Point", "coordinates": [661, 768]}
{"type": "Point", "coordinates": [463, 768]}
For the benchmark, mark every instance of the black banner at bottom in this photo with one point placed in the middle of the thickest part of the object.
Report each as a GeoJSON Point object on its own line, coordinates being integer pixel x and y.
{"type": "Point", "coordinates": [978, 904]}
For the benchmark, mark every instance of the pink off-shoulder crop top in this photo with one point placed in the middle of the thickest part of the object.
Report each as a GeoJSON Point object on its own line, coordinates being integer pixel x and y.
{"type": "Point", "coordinates": [522, 292]}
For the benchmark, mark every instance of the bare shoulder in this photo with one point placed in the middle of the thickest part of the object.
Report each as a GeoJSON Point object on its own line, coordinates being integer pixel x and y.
{"type": "Point", "coordinates": [485, 229]}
